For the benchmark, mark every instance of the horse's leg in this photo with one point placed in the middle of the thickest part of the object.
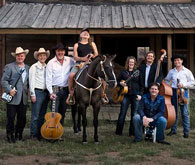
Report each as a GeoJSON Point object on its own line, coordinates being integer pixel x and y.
{"type": "Point", "coordinates": [79, 121]}
{"type": "Point", "coordinates": [84, 123]}
{"type": "Point", "coordinates": [74, 112]}
{"type": "Point", "coordinates": [96, 109]}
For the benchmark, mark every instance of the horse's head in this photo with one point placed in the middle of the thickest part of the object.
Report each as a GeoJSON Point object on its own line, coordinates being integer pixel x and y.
{"type": "Point", "coordinates": [106, 69]}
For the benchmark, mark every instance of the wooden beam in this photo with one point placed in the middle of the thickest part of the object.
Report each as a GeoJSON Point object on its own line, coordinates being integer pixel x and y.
{"type": "Point", "coordinates": [169, 51]}
{"type": "Point", "coordinates": [97, 31]}
{"type": "Point", "coordinates": [191, 59]}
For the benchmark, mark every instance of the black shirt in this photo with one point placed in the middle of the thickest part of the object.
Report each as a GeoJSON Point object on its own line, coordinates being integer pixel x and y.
{"type": "Point", "coordinates": [84, 49]}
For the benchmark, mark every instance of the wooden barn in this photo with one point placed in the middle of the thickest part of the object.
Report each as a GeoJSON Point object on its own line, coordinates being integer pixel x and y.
{"type": "Point", "coordinates": [123, 27]}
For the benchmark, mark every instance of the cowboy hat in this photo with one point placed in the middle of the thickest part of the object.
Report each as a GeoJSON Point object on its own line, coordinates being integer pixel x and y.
{"type": "Point", "coordinates": [58, 46]}
{"type": "Point", "coordinates": [19, 50]}
{"type": "Point", "coordinates": [177, 56]}
{"type": "Point", "coordinates": [41, 51]}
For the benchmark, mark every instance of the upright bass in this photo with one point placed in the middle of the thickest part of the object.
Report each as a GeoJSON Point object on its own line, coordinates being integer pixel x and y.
{"type": "Point", "coordinates": [52, 128]}
{"type": "Point", "coordinates": [166, 91]}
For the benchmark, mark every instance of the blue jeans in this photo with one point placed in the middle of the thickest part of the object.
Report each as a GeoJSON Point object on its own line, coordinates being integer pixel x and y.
{"type": "Point", "coordinates": [160, 124]}
{"type": "Point", "coordinates": [38, 111]}
{"type": "Point", "coordinates": [184, 113]}
{"type": "Point", "coordinates": [123, 111]}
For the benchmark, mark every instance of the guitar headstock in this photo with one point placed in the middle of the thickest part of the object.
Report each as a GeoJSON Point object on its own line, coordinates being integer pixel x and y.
{"type": "Point", "coordinates": [55, 89]}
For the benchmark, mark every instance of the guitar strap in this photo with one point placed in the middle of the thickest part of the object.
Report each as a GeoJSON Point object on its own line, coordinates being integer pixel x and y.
{"type": "Point", "coordinates": [19, 75]}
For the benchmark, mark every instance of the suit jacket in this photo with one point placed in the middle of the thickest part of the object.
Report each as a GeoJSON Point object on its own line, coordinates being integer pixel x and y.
{"type": "Point", "coordinates": [11, 72]}
{"type": "Point", "coordinates": [152, 73]}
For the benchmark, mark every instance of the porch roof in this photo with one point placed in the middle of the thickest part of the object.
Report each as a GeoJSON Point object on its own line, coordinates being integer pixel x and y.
{"type": "Point", "coordinates": [39, 16]}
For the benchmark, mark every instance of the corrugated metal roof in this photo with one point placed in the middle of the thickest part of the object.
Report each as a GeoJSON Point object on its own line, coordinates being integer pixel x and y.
{"type": "Point", "coordinates": [74, 16]}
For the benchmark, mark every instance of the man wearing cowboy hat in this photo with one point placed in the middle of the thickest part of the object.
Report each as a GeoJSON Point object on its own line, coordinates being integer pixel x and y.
{"type": "Point", "coordinates": [180, 77]}
{"type": "Point", "coordinates": [38, 92]}
{"type": "Point", "coordinates": [18, 105]}
{"type": "Point", "coordinates": [57, 71]}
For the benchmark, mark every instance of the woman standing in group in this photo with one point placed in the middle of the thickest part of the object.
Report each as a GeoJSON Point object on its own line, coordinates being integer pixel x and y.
{"type": "Point", "coordinates": [130, 77]}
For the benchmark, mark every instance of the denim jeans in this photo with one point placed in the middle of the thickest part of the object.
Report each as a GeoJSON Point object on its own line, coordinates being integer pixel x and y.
{"type": "Point", "coordinates": [38, 111]}
{"type": "Point", "coordinates": [61, 105]}
{"type": "Point", "coordinates": [184, 113]}
{"type": "Point", "coordinates": [123, 111]}
{"type": "Point", "coordinates": [161, 125]}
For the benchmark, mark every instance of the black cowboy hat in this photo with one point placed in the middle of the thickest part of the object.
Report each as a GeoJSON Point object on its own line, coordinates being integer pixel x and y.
{"type": "Point", "coordinates": [177, 56]}
{"type": "Point", "coordinates": [58, 46]}
{"type": "Point", "coordinates": [84, 29]}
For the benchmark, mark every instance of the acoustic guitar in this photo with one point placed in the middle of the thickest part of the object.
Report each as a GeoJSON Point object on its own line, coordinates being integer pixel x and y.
{"type": "Point", "coordinates": [119, 91]}
{"type": "Point", "coordinates": [52, 128]}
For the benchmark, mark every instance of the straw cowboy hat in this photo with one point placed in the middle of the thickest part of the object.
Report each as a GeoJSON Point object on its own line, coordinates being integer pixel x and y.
{"type": "Point", "coordinates": [19, 50]}
{"type": "Point", "coordinates": [41, 51]}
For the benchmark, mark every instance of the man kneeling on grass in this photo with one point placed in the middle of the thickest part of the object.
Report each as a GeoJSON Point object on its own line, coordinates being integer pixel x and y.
{"type": "Point", "coordinates": [150, 113]}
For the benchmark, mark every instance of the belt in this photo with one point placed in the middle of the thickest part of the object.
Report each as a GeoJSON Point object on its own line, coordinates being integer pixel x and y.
{"type": "Point", "coordinates": [43, 90]}
{"type": "Point", "coordinates": [59, 88]}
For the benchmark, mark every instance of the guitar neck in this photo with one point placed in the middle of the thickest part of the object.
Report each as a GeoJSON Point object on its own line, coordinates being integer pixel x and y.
{"type": "Point", "coordinates": [53, 106]}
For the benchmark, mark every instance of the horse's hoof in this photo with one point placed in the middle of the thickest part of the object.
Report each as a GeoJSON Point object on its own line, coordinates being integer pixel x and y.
{"type": "Point", "coordinates": [76, 133]}
{"type": "Point", "coordinates": [96, 142]}
{"type": "Point", "coordinates": [85, 143]}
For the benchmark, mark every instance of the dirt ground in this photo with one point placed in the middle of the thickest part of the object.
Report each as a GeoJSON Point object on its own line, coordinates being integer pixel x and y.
{"type": "Point", "coordinates": [164, 158]}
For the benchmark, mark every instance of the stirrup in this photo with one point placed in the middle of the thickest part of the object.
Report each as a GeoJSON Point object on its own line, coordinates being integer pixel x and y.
{"type": "Point", "coordinates": [105, 99]}
{"type": "Point", "coordinates": [70, 100]}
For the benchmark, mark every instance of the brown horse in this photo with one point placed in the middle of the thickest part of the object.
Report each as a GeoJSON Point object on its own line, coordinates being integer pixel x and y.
{"type": "Point", "coordinates": [88, 91]}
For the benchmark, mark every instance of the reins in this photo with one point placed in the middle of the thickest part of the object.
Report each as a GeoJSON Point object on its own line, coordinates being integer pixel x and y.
{"type": "Point", "coordinates": [91, 90]}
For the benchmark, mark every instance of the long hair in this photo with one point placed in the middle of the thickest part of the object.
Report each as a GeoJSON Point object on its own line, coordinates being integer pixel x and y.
{"type": "Point", "coordinates": [127, 62]}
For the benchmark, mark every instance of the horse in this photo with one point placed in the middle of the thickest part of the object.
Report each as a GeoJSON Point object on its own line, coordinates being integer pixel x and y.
{"type": "Point", "coordinates": [88, 91]}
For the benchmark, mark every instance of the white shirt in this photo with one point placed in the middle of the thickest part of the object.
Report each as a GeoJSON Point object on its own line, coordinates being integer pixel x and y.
{"type": "Point", "coordinates": [184, 75]}
{"type": "Point", "coordinates": [37, 77]}
{"type": "Point", "coordinates": [147, 74]}
{"type": "Point", "coordinates": [57, 74]}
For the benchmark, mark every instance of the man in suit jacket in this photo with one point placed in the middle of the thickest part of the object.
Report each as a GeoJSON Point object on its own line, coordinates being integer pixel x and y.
{"type": "Point", "coordinates": [20, 94]}
{"type": "Point", "coordinates": [148, 70]}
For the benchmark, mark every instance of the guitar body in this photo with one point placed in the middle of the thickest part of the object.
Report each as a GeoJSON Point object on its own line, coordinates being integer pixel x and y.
{"type": "Point", "coordinates": [52, 128]}
{"type": "Point", "coordinates": [118, 93]}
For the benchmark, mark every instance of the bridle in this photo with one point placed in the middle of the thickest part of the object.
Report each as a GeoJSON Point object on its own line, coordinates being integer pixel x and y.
{"type": "Point", "coordinates": [91, 90]}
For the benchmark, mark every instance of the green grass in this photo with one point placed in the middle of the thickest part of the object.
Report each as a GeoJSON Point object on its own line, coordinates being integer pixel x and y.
{"type": "Point", "coordinates": [112, 149]}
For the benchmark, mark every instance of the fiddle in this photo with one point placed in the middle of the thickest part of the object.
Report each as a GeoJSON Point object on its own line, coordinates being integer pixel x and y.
{"type": "Point", "coordinates": [180, 94]}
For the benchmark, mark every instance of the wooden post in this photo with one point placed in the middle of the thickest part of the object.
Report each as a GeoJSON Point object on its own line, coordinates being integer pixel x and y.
{"type": "Point", "coordinates": [191, 59]}
{"type": "Point", "coordinates": [158, 45]}
{"type": "Point", "coordinates": [2, 3]}
{"type": "Point", "coordinates": [2, 50]}
{"type": "Point", "coordinates": [169, 51]}
{"type": "Point", "coordinates": [2, 56]}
